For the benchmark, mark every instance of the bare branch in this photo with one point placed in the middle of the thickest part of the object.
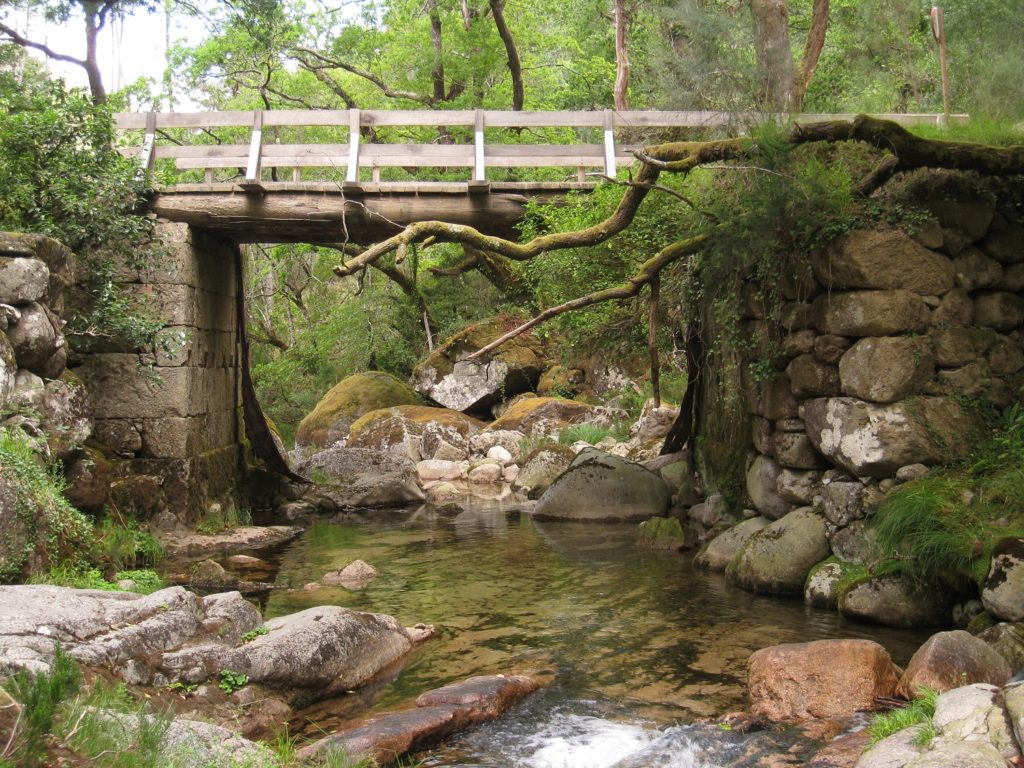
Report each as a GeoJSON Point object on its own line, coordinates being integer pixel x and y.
{"type": "Point", "coordinates": [18, 39]}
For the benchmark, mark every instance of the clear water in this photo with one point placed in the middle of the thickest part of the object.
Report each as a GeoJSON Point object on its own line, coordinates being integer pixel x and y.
{"type": "Point", "coordinates": [633, 642]}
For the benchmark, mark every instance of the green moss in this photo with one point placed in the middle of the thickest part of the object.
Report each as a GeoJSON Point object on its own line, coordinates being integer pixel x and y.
{"type": "Point", "coordinates": [385, 426]}
{"type": "Point", "coordinates": [661, 533]}
{"type": "Point", "coordinates": [349, 399]}
{"type": "Point", "coordinates": [522, 414]}
{"type": "Point", "coordinates": [524, 351]}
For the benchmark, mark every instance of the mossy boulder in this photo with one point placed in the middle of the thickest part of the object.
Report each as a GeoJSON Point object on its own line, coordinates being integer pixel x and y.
{"type": "Point", "coordinates": [540, 467]}
{"type": "Point", "coordinates": [448, 377]}
{"type": "Point", "coordinates": [349, 399]}
{"type": "Point", "coordinates": [721, 550]}
{"type": "Point", "coordinates": [895, 600]}
{"type": "Point", "coordinates": [777, 559]}
{"type": "Point", "coordinates": [600, 487]}
{"type": "Point", "coordinates": [544, 415]}
{"type": "Point", "coordinates": [661, 533]}
{"type": "Point", "coordinates": [400, 429]}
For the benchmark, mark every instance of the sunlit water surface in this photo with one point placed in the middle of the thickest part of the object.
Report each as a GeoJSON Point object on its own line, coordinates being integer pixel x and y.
{"type": "Point", "coordinates": [634, 641]}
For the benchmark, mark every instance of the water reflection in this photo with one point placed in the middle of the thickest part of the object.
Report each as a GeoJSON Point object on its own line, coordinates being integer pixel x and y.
{"type": "Point", "coordinates": [635, 629]}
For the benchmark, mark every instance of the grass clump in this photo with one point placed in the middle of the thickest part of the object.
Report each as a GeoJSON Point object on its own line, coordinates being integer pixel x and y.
{"type": "Point", "coordinates": [918, 712]}
{"type": "Point", "coordinates": [77, 577]}
{"type": "Point", "coordinates": [942, 527]}
{"type": "Point", "coordinates": [588, 433]}
{"type": "Point", "coordinates": [223, 520]}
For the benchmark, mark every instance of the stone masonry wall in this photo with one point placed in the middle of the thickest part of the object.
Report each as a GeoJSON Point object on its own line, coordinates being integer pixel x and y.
{"type": "Point", "coordinates": [174, 416]}
{"type": "Point", "coordinates": [896, 340]}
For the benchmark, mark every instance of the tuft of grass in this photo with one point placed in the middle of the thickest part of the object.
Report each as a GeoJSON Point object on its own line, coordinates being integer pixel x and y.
{"type": "Point", "coordinates": [918, 712]}
{"type": "Point", "coordinates": [79, 577]}
{"type": "Point", "coordinates": [122, 543]}
{"type": "Point", "coordinates": [39, 699]}
{"type": "Point", "coordinates": [588, 433]}
{"type": "Point", "coordinates": [232, 517]}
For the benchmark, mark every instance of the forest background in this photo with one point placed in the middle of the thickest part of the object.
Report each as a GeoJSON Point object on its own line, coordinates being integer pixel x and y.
{"type": "Point", "coordinates": [310, 329]}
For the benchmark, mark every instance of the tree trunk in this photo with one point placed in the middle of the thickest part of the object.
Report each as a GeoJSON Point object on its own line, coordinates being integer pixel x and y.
{"type": "Point", "coordinates": [515, 68]}
{"type": "Point", "coordinates": [90, 64]}
{"type": "Point", "coordinates": [774, 57]}
{"type": "Point", "coordinates": [438, 71]}
{"type": "Point", "coordinates": [812, 51]}
{"type": "Point", "coordinates": [621, 21]}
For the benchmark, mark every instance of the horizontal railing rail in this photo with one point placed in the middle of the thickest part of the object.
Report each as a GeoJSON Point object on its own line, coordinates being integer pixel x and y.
{"type": "Point", "coordinates": [257, 154]}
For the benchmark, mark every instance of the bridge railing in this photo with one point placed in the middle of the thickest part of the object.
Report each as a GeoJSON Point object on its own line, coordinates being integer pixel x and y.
{"type": "Point", "coordinates": [258, 154]}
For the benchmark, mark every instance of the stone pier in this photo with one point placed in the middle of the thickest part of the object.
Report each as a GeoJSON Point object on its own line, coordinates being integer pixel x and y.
{"type": "Point", "coordinates": [175, 417]}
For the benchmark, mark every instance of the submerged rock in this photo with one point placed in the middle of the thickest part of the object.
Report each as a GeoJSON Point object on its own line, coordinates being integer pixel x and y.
{"type": "Point", "coordinates": [356, 575]}
{"type": "Point", "coordinates": [897, 601]}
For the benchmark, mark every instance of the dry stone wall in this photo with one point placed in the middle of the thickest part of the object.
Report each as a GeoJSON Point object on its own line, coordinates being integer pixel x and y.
{"type": "Point", "coordinates": [894, 342]}
{"type": "Point", "coordinates": [173, 416]}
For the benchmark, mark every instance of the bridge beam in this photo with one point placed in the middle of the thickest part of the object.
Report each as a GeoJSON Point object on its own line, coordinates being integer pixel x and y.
{"type": "Point", "coordinates": [366, 213]}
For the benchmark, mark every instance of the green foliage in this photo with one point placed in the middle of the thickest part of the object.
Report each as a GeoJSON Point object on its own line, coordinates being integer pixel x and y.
{"type": "Point", "coordinates": [232, 681]}
{"type": "Point", "coordinates": [589, 433]}
{"type": "Point", "coordinates": [39, 698]}
{"type": "Point", "coordinates": [225, 519]}
{"type": "Point", "coordinates": [55, 533]}
{"type": "Point", "coordinates": [252, 634]}
{"type": "Point", "coordinates": [78, 577]}
{"type": "Point", "coordinates": [61, 175]}
{"type": "Point", "coordinates": [123, 544]}
{"type": "Point", "coordinates": [918, 712]}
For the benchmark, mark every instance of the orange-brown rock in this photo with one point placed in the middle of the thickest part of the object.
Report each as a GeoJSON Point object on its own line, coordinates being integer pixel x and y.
{"type": "Point", "coordinates": [824, 678]}
{"type": "Point", "coordinates": [950, 660]}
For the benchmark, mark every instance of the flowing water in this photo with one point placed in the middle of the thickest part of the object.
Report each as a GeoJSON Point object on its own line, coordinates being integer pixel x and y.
{"type": "Point", "coordinates": [634, 642]}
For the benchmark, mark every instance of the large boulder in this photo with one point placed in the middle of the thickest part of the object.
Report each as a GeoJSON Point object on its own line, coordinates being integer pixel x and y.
{"type": "Point", "coordinates": [1008, 641]}
{"type": "Point", "coordinates": [777, 559]}
{"type": "Point", "coordinates": [721, 550]}
{"type": "Point", "coordinates": [949, 660]}
{"type": "Point", "coordinates": [1003, 591]}
{"type": "Point", "coordinates": [870, 313]}
{"type": "Point", "coordinates": [23, 280]}
{"type": "Point", "coordinates": [448, 377]}
{"type": "Point", "coordinates": [601, 487]}
{"type": "Point", "coordinates": [959, 346]}
{"type": "Point", "coordinates": [762, 488]}
{"type": "Point", "coordinates": [973, 716]}
{"type": "Point", "coordinates": [884, 259]}
{"type": "Point", "coordinates": [541, 415]}
{"type": "Point", "coordinates": [38, 341]}
{"type": "Point", "coordinates": [400, 429]}
{"type": "Point", "coordinates": [820, 679]}
{"type": "Point", "coordinates": [875, 440]}
{"type": "Point", "coordinates": [349, 399]}
{"type": "Point", "coordinates": [886, 369]}
{"type": "Point", "coordinates": [896, 601]}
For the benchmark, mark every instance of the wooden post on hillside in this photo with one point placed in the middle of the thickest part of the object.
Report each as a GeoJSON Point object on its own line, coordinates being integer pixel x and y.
{"type": "Point", "coordinates": [939, 33]}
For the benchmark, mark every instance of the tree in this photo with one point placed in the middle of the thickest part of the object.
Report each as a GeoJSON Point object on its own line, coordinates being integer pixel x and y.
{"type": "Point", "coordinates": [95, 15]}
{"type": "Point", "coordinates": [783, 84]}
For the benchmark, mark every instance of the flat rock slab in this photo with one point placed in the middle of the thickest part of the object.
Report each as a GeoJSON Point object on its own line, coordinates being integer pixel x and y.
{"type": "Point", "coordinates": [232, 541]}
{"type": "Point", "coordinates": [437, 714]}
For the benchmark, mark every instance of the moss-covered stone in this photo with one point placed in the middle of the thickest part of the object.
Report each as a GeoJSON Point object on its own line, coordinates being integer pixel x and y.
{"type": "Point", "coordinates": [661, 533]}
{"type": "Point", "coordinates": [449, 378]}
{"type": "Point", "coordinates": [349, 399]}
{"type": "Point", "coordinates": [400, 428]}
{"type": "Point", "coordinates": [541, 414]}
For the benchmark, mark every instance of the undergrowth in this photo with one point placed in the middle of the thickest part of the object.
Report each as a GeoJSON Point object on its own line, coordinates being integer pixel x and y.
{"type": "Point", "coordinates": [918, 712]}
{"type": "Point", "coordinates": [943, 526]}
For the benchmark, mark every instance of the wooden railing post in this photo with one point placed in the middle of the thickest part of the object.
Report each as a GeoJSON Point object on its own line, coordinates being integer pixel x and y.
{"type": "Point", "coordinates": [253, 167]}
{"type": "Point", "coordinates": [480, 168]}
{"type": "Point", "coordinates": [609, 145]}
{"type": "Point", "coordinates": [352, 175]}
{"type": "Point", "coordinates": [148, 142]}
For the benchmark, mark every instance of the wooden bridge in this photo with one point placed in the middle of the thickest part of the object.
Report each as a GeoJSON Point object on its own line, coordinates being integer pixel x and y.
{"type": "Point", "coordinates": [223, 170]}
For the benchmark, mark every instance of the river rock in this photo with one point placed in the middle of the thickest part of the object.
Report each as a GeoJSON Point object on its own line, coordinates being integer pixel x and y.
{"type": "Point", "coordinates": [1013, 697]}
{"type": "Point", "coordinates": [955, 310]}
{"type": "Point", "coordinates": [38, 341]}
{"type": "Point", "coordinates": [950, 659]}
{"type": "Point", "coordinates": [432, 470]}
{"type": "Point", "coordinates": [349, 399]}
{"type": "Point", "coordinates": [894, 751]}
{"type": "Point", "coordinates": [500, 454]}
{"type": "Point", "coordinates": [876, 440]}
{"type": "Point", "coordinates": [246, 538]}
{"type": "Point", "coordinates": [820, 679]}
{"type": "Point", "coordinates": [973, 715]}
{"type": "Point", "coordinates": [485, 472]}
{"type": "Point", "coordinates": [975, 270]}
{"type": "Point", "coordinates": [794, 450]}
{"type": "Point", "coordinates": [356, 575]}
{"type": "Point", "coordinates": [509, 439]}
{"type": "Point", "coordinates": [997, 309]}
{"type": "Point", "coordinates": [600, 487]}
{"type": "Point", "coordinates": [721, 550]}
{"type": "Point", "coordinates": [437, 714]}
{"type": "Point", "coordinates": [884, 259]}
{"type": "Point", "coordinates": [1008, 641]}
{"type": "Point", "coordinates": [400, 429]}
{"type": "Point", "coordinates": [1003, 591]}
{"type": "Point", "coordinates": [896, 601]}
{"type": "Point", "coordinates": [798, 487]}
{"type": "Point", "coordinates": [870, 313]}
{"type": "Point", "coordinates": [886, 369]}
{"type": "Point", "coordinates": [541, 416]}
{"type": "Point", "coordinates": [821, 588]}
{"type": "Point", "coordinates": [541, 467]}
{"type": "Point", "coordinates": [23, 280]}
{"type": "Point", "coordinates": [448, 377]}
{"type": "Point", "coordinates": [777, 559]}
{"type": "Point", "coordinates": [95, 627]}
{"type": "Point", "coordinates": [762, 484]}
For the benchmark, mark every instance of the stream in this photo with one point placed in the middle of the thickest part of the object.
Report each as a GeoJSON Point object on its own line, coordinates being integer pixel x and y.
{"type": "Point", "coordinates": [635, 644]}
